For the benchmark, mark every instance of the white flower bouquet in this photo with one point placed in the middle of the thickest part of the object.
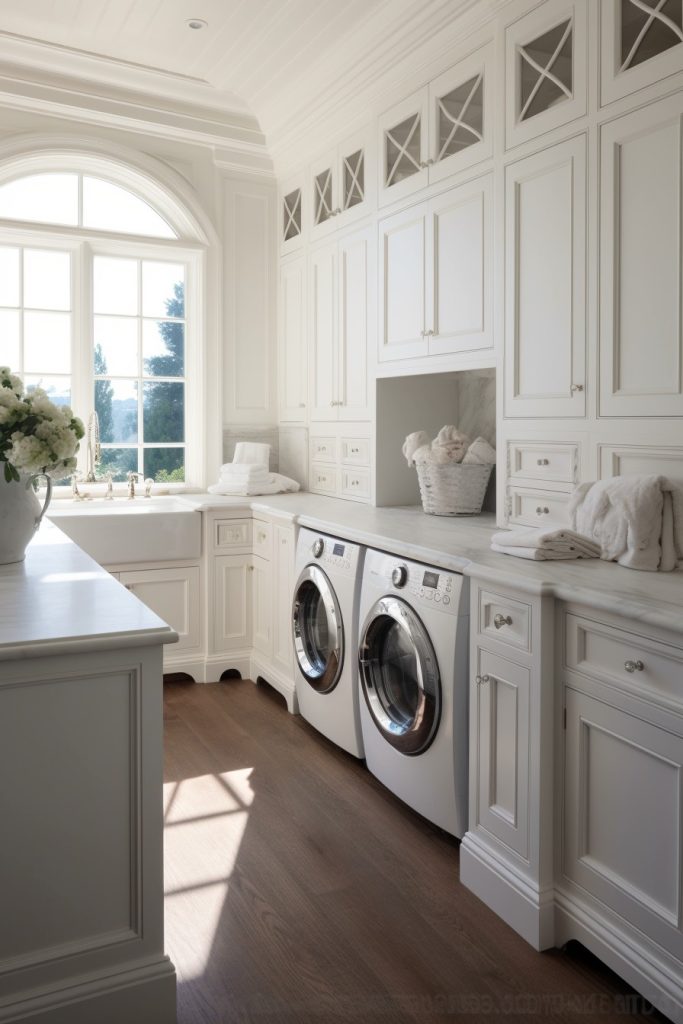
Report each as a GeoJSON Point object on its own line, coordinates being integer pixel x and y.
{"type": "Point", "coordinates": [36, 436]}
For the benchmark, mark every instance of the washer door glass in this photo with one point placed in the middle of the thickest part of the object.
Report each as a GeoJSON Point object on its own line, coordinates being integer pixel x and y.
{"type": "Point", "coordinates": [317, 630]}
{"type": "Point", "coordinates": [400, 676]}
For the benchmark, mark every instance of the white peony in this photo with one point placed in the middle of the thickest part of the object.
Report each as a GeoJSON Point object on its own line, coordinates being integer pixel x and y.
{"type": "Point", "coordinates": [36, 436]}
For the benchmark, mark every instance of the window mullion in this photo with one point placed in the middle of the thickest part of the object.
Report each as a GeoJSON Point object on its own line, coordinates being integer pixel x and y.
{"type": "Point", "coordinates": [141, 432]}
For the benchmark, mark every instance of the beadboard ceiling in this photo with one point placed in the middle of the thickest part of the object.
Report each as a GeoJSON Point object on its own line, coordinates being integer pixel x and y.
{"type": "Point", "coordinates": [266, 59]}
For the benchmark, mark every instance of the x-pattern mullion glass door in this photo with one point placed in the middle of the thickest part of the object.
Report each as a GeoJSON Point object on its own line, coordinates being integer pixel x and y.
{"type": "Point", "coordinates": [403, 139]}
{"type": "Point", "coordinates": [642, 44]}
{"type": "Point", "coordinates": [460, 115]}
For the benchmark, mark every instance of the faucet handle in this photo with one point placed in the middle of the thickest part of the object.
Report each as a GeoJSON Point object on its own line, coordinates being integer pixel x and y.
{"type": "Point", "coordinates": [149, 483]}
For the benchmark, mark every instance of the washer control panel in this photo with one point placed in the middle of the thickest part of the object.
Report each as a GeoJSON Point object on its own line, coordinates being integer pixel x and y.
{"type": "Point", "coordinates": [332, 553]}
{"type": "Point", "coordinates": [421, 585]}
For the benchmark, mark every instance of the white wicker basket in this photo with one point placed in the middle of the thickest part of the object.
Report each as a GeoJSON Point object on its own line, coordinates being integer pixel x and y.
{"type": "Point", "coordinates": [452, 489]}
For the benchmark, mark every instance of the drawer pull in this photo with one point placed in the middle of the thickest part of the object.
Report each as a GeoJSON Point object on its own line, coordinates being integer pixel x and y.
{"type": "Point", "coordinates": [542, 510]}
{"type": "Point", "coordinates": [355, 451]}
{"type": "Point", "coordinates": [482, 679]}
{"type": "Point", "coordinates": [542, 462]}
{"type": "Point", "coordinates": [634, 666]}
{"type": "Point", "coordinates": [502, 620]}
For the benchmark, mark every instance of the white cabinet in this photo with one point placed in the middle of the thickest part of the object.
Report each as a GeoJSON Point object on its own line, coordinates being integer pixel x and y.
{"type": "Point", "coordinates": [340, 461]}
{"type": "Point", "coordinates": [282, 588]}
{"type": "Point", "coordinates": [641, 45]}
{"type": "Point", "coordinates": [292, 215]}
{"type": "Point", "coordinates": [174, 594]}
{"type": "Point", "coordinates": [641, 339]}
{"type": "Point", "coordinates": [262, 605]}
{"type": "Point", "coordinates": [545, 270]}
{"type": "Point", "coordinates": [293, 382]}
{"type": "Point", "coordinates": [436, 275]}
{"type": "Point", "coordinates": [341, 306]}
{"type": "Point", "coordinates": [439, 130]}
{"type": "Point", "coordinates": [342, 184]}
{"type": "Point", "coordinates": [232, 613]}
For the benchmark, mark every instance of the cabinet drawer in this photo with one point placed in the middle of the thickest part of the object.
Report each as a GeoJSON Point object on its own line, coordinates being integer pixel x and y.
{"type": "Point", "coordinates": [232, 533]}
{"type": "Point", "coordinates": [323, 479]}
{"type": "Point", "coordinates": [355, 451]}
{"type": "Point", "coordinates": [552, 462]}
{"type": "Point", "coordinates": [538, 508]}
{"type": "Point", "coordinates": [614, 655]}
{"type": "Point", "coordinates": [262, 537]}
{"type": "Point", "coordinates": [355, 483]}
{"type": "Point", "coordinates": [505, 620]}
{"type": "Point", "coordinates": [324, 449]}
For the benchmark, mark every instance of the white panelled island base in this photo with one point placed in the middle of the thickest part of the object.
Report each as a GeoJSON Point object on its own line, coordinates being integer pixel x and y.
{"type": "Point", "coordinates": [81, 926]}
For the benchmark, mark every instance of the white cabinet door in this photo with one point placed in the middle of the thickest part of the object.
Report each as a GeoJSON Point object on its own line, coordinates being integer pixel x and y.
{"type": "Point", "coordinates": [402, 285]}
{"type": "Point", "coordinates": [323, 357]}
{"type": "Point", "coordinates": [641, 344]}
{"type": "Point", "coordinates": [642, 44]}
{"type": "Point", "coordinates": [459, 272]}
{"type": "Point", "coordinates": [292, 359]}
{"type": "Point", "coordinates": [460, 115]}
{"type": "Point", "coordinates": [174, 595]}
{"type": "Point", "coordinates": [324, 197]}
{"type": "Point", "coordinates": [545, 267]}
{"type": "Point", "coordinates": [262, 610]}
{"type": "Point", "coordinates": [232, 603]}
{"type": "Point", "coordinates": [501, 756]}
{"type": "Point", "coordinates": [283, 586]}
{"type": "Point", "coordinates": [355, 301]}
{"type": "Point", "coordinates": [622, 799]}
{"type": "Point", "coordinates": [403, 147]}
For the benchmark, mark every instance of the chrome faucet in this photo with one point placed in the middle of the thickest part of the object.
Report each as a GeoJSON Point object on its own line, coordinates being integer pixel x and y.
{"type": "Point", "coordinates": [133, 478]}
{"type": "Point", "coordinates": [93, 449]}
{"type": "Point", "coordinates": [149, 483]}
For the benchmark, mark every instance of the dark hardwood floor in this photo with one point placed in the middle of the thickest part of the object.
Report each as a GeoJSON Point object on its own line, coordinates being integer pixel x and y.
{"type": "Point", "coordinates": [299, 889]}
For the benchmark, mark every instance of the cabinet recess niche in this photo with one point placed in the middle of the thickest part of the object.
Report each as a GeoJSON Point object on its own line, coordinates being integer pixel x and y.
{"type": "Point", "coordinates": [545, 69]}
{"type": "Point", "coordinates": [642, 43]}
{"type": "Point", "coordinates": [438, 130]}
{"type": "Point", "coordinates": [545, 269]}
{"type": "Point", "coordinates": [641, 266]}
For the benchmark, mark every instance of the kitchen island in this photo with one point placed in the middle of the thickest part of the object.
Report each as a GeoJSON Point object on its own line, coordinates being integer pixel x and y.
{"type": "Point", "coordinates": [81, 927]}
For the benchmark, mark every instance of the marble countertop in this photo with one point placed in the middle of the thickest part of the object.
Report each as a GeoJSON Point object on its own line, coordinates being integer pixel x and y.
{"type": "Point", "coordinates": [59, 601]}
{"type": "Point", "coordinates": [463, 545]}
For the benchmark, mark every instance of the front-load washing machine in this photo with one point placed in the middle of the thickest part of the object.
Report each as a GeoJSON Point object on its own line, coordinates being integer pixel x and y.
{"type": "Point", "coordinates": [325, 633]}
{"type": "Point", "coordinates": [413, 645]}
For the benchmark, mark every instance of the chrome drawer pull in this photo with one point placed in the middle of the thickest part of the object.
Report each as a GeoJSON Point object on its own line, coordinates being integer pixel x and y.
{"type": "Point", "coordinates": [542, 511]}
{"type": "Point", "coordinates": [482, 679]}
{"type": "Point", "coordinates": [502, 620]}
{"type": "Point", "coordinates": [542, 462]}
{"type": "Point", "coordinates": [634, 666]}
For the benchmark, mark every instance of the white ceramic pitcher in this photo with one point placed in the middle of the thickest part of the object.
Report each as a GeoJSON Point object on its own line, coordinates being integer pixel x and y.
{"type": "Point", "coordinates": [20, 515]}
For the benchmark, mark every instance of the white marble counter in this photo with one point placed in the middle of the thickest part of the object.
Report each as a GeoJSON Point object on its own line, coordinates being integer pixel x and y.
{"type": "Point", "coordinates": [60, 601]}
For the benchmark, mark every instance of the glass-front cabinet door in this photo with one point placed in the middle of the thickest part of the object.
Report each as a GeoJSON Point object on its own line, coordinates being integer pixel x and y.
{"type": "Point", "coordinates": [459, 115]}
{"type": "Point", "coordinates": [642, 43]}
{"type": "Point", "coordinates": [292, 215]}
{"type": "Point", "coordinates": [403, 142]}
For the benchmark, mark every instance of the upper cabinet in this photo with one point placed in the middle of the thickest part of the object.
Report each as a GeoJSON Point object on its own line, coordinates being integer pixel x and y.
{"type": "Point", "coordinates": [641, 274]}
{"type": "Point", "coordinates": [342, 185]}
{"type": "Point", "coordinates": [292, 224]}
{"type": "Point", "coordinates": [292, 341]}
{"type": "Point", "coordinates": [642, 42]}
{"type": "Point", "coordinates": [436, 275]}
{"type": "Point", "coordinates": [439, 130]}
{"type": "Point", "coordinates": [545, 282]}
{"type": "Point", "coordinates": [545, 69]}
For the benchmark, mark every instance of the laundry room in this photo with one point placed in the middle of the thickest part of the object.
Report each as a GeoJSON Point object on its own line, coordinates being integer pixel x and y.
{"type": "Point", "coordinates": [341, 511]}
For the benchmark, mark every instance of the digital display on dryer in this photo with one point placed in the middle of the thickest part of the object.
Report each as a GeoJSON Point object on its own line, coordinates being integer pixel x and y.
{"type": "Point", "coordinates": [338, 550]}
{"type": "Point", "coordinates": [430, 579]}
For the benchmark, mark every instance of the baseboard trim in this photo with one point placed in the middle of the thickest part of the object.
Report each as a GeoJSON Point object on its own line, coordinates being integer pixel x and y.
{"type": "Point", "coordinates": [277, 679]}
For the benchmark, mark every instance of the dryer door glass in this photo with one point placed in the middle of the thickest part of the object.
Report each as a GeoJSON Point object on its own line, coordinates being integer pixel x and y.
{"type": "Point", "coordinates": [317, 630]}
{"type": "Point", "coordinates": [400, 676]}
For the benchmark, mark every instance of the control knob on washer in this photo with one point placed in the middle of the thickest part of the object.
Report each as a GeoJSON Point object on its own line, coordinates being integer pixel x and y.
{"type": "Point", "coordinates": [318, 547]}
{"type": "Point", "coordinates": [399, 576]}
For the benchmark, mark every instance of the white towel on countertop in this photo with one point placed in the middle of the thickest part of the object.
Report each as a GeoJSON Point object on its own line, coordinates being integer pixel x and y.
{"type": "Point", "coordinates": [411, 444]}
{"type": "Point", "coordinates": [252, 452]}
{"type": "Point", "coordinates": [243, 472]}
{"type": "Point", "coordinates": [540, 554]}
{"type": "Point", "coordinates": [480, 453]}
{"type": "Point", "coordinates": [631, 518]}
{"type": "Point", "coordinates": [562, 541]}
{"type": "Point", "coordinates": [275, 483]}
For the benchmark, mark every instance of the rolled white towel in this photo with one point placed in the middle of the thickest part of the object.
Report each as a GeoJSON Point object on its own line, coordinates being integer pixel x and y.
{"type": "Point", "coordinates": [450, 435]}
{"type": "Point", "coordinates": [412, 443]}
{"type": "Point", "coordinates": [423, 454]}
{"type": "Point", "coordinates": [252, 452]}
{"type": "Point", "coordinates": [449, 445]}
{"type": "Point", "coordinates": [480, 453]}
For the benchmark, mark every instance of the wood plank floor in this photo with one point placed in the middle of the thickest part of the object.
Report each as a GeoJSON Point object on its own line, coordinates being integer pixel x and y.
{"type": "Point", "coordinates": [299, 889]}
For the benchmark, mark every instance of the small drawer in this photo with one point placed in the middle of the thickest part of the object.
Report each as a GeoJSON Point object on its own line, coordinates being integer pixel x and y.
{"type": "Point", "coordinates": [323, 479]}
{"type": "Point", "coordinates": [609, 654]}
{"type": "Point", "coordinates": [262, 537]}
{"type": "Point", "coordinates": [505, 620]}
{"type": "Point", "coordinates": [324, 449]}
{"type": "Point", "coordinates": [538, 508]}
{"type": "Point", "coordinates": [355, 451]}
{"type": "Point", "coordinates": [355, 483]}
{"type": "Point", "coordinates": [231, 533]}
{"type": "Point", "coordinates": [552, 462]}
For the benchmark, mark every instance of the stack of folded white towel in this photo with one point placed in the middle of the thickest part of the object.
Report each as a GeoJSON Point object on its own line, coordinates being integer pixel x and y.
{"type": "Point", "coordinates": [545, 545]}
{"type": "Point", "coordinates": [450, 445]}
{"type": "Point", "coordinates": [248, 473]}
{"type": "Point", "coordinates": [637, 520]}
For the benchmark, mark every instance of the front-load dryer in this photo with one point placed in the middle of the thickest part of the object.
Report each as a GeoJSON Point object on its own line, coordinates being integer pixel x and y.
{"type": "Point", "coordinates": [325, 634]}
{"type": "Point", "coordinates": [413, 645]}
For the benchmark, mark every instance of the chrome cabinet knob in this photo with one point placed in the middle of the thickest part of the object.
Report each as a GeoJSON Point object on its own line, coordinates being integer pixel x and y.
{"type": "Point", "coordinates": [542, 510]}
{"type": "Point", "coordinates": [542, 462]}
{"type": "Point", "coordinates": [399, 576]}
{"type": "Point", "coordinates": [576, 387]}
{"type": "Point", "coordinates": [634, 666]}
{"type": "Point", "coordinates": [482, 679]}
{"type": "Point", "coordinates": [502, 620]}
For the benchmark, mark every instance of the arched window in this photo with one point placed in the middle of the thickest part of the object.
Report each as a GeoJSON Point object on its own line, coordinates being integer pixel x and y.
{"type": "Point", "coordinates": [99, 279]}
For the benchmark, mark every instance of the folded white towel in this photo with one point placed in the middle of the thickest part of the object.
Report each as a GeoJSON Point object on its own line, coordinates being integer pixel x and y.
{"type": "Point", "coordinates": [480, 453]}
{"type": "Point", "coordinates": [563, 541]}
{"type": "Point", "coordinates": [275, 483]}
{"type": "Point", "coordinates": [246, 471]}
{"type": "Point", "coordinates": [412, 443]}
{"type": "Point", "coordinates": [540, 554]}
{"type": "Point", "coordinates": [252, 452]}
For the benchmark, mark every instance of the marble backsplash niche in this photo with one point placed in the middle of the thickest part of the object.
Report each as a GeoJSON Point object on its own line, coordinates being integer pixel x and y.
{"type": "Point", "coordinates": [476, 403]}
